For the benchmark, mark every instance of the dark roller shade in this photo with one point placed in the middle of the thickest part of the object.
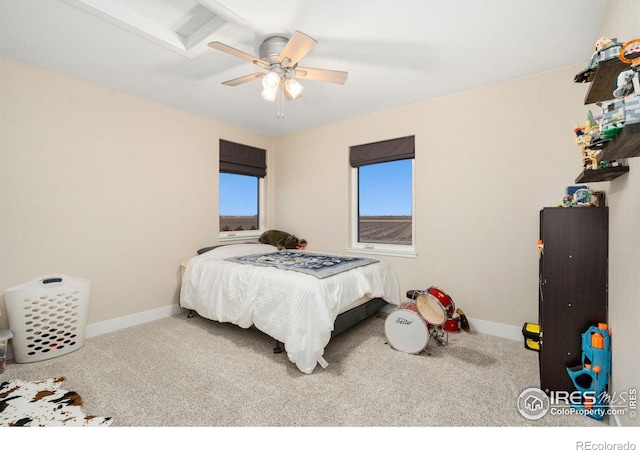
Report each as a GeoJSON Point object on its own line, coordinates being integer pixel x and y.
{"type": "Point", "coordinates": [383, 151]}
{"type": "Point", "coordinates": [242, 159]}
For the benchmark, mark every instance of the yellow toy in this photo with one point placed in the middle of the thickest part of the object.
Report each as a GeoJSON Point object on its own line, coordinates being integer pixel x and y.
{"type": "Point", "coordinates": [584, 136]}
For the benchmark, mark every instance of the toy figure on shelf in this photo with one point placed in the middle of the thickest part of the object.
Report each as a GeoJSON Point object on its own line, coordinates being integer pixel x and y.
{"type": "Point", "coordinates": [582, 195]}
{"type": "Point", "coordinates": [630, 52]}
{"type": "Point", "coordinates": [572, 193]}
{"type": "Point", "coordinates": [585, 135]}
{"type": "Point", "coordinates": [624, 83]}
{"type": "Point", "coordinates": [605, 49]}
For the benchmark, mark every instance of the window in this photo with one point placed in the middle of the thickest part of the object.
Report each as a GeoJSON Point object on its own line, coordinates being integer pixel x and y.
{"type": "Point", "coordinates": [383, 197]}
{"type": "Point", "coordinates": [241, 190]}
{"type": "Point", "coordinates": [239, 202]}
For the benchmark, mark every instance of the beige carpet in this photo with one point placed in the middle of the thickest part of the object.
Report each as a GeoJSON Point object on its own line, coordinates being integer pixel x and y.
{"type": "Point", "coordinates": [195, 372]}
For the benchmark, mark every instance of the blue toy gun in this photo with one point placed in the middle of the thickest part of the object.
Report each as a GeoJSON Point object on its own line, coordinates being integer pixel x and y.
{"type": "Point", "coordinates": [592, 379]}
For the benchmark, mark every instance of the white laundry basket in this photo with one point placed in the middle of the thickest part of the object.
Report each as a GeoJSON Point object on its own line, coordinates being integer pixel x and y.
{"type": "Point", "coordinates": [47, 316]}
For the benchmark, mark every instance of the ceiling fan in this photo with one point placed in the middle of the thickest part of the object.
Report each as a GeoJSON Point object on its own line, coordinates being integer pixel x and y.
{"type": "Point", "coordinates": [279, 56]}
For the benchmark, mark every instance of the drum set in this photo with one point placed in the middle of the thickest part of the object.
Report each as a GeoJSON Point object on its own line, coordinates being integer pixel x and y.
{"type": "Point", "coordinates": [430, 313]}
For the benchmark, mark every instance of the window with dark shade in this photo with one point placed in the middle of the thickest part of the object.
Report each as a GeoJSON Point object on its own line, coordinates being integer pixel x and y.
{"type": "Point", "coordinates": [240, 186]}
{"type": "Point", "coordinates": [383, 195]}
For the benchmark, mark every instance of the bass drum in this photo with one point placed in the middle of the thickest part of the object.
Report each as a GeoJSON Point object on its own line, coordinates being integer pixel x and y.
{"type": "Point", "coordinates": [406, 330]}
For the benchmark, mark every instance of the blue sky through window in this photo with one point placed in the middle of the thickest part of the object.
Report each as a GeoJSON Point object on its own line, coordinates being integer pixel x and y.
{"type": "Point", "coordinates": [385, 189]}
{"type": "Point", "coordinates": [238, 195]}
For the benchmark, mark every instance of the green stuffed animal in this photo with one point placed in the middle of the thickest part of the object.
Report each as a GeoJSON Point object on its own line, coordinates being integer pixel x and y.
{"type": "Point", "coordinates": [282, 240]}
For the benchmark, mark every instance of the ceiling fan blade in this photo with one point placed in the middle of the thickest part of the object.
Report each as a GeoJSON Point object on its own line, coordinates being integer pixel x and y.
{"type": "Point", "coordinates": [299, 45]}
{"type": "Point", "coordinates": [244, 79]}
{"type": "Point", "coordinates": [238, 53]}
{"type": "Point", "coordinates": [328, 76]}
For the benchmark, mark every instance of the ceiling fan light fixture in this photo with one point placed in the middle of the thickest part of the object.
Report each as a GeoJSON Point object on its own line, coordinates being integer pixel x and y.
{"type": "Point", "coordinates": [271, 80]}
{"type": "Point", "coordinates": [293, 88]}
{"type": "Point", "coordinates": [270, 93]}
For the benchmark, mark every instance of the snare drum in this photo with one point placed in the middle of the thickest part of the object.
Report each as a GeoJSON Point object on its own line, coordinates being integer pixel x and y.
{"type": "Point", "coordinates": [431, 309]}
{"type": "Point", "coordinates": [406, 330]}
{"type": "Point", "coordinates": [444, 300]}
{"type": "Point", "coordinates": [452, 325]}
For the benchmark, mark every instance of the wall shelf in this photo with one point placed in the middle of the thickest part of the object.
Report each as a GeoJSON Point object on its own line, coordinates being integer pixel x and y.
{"type": "Point", "coordinates": [603, 83]}
{"type": "Point", "coordinates": [625, 145]}
{"type": "Point", "coordinates": [605, 174]}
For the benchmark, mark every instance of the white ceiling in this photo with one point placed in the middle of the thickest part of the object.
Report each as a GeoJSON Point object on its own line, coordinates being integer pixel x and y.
{"type": "Point", "coordinates": [396, 52]}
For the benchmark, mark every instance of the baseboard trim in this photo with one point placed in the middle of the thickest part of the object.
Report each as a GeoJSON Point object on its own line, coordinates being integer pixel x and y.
{"type": "Point", "coordinates": [496, 329]}
{"type": "Point", "coordinates": [483, 327]}
{"type": "Point", "coordinates": [108, 326]}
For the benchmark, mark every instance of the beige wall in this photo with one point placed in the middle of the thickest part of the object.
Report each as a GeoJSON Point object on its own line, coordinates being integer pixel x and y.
{"type": "Point", "coordinates": [98, 184]}
{"type": "Point", "coordinates": [621, 21]}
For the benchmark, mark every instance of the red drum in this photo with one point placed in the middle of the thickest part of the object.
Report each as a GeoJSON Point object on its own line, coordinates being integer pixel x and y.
{"type": "Point", "coordinates": [452, 325]}
{"type": "Point", "coordinates": [431, 309]}
{"type": "Point", "coordinates": [444, 299]}
{"type": "Point", "coordinates": [406, 330]}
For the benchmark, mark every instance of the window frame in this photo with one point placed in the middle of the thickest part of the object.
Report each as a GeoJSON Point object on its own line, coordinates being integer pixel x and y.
{"type": "Point", "coordinates": [355, 246]}
{"type": "Point", "coordinates": [244, 160]}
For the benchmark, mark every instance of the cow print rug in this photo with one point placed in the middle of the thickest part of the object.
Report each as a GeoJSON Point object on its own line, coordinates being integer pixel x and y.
{"type": "Point", "coordinates": [43, 404]}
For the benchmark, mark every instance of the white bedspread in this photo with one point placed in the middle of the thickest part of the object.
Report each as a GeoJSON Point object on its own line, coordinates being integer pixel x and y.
{"type": "Point", "coordinates": [298, 310]}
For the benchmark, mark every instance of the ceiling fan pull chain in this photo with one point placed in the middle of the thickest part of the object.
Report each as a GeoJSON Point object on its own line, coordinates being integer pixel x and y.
{"type": "Point", "coordinates": [280, 101]}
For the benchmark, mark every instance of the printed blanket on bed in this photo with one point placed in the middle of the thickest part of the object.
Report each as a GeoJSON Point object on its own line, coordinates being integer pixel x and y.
{"type": "Point", "coordinates": [316, 264]}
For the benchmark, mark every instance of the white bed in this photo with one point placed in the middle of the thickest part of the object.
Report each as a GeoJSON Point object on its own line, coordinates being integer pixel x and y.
{"type": "Point", "coordinates": [294, 308]}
